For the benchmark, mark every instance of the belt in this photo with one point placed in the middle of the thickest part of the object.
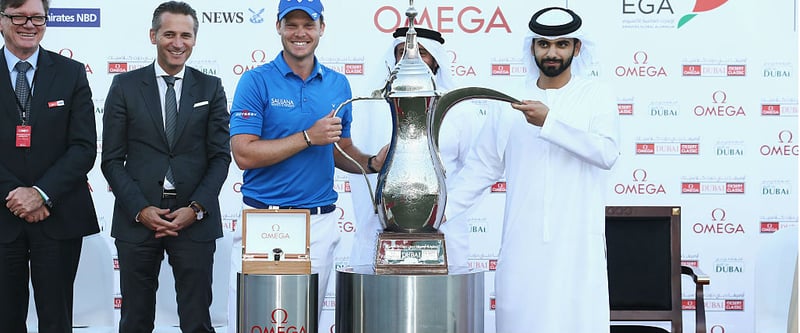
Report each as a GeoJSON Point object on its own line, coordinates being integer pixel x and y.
{"type": "Point", "coordinates": [314, 210]}
{"type": "Point", "coordinates": [169, 194]}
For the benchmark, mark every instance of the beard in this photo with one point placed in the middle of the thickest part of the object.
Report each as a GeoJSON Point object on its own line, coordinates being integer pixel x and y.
{"type": "Point", "coordinates": [553, 71]}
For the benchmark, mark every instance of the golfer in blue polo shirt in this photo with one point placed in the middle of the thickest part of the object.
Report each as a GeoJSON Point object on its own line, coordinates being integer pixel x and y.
{"type": "Point", "coordinates": [282, 134]}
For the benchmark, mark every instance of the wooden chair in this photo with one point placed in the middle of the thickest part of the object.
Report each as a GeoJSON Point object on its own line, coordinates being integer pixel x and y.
{"type": "Point", "coordinates": [643, 250]}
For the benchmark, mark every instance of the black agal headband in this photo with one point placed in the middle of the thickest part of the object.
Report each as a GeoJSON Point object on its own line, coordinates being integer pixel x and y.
{"type": "Point", "coordinates": [421, 32]}
{"type": "Point", "coordinates": [554, 30]}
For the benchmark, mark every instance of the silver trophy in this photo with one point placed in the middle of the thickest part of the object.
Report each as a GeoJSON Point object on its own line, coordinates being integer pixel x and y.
{"type": "Point", "coordinates": [410, 195]}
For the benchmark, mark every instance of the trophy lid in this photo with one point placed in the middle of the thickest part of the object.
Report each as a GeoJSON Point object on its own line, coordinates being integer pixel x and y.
{"type": "Point", "coordinates": [411, 76]}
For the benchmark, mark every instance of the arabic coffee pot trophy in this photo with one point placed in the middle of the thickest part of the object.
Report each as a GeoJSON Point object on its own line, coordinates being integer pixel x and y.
{"type": "Point", "coordinates": [410, 195]}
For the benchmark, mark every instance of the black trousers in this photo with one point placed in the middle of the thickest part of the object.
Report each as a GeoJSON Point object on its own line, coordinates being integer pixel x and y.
{"type": "Point", "coordinates": [192, 265]}
{"type": "Point", "coordinates": [53, 264]}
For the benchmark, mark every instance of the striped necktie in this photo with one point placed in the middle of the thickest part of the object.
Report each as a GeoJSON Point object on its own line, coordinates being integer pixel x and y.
{"type": "Point", "coordinates": [170, 117]}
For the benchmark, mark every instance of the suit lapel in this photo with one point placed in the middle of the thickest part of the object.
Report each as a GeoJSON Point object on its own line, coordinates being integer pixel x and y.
{"type": "Point", "coordinates": [42, 81]}
{"type": "Point", "coordinates": [186, 103]}
{"type": "Point", "coordinates": [7, 97]}
{"type": "Point", "coordinates": [152, 100]}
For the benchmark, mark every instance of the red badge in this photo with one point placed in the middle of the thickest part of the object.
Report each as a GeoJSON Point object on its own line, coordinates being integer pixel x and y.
{"type": "Point", "coordinates": [23, 136]}
{"type": "Point", "coordinates": [54, 104]}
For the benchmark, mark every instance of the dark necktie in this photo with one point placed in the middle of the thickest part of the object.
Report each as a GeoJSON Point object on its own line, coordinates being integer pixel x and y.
{"type": "Point", "coordinates": [170, 117]}
{"type": "Point", "coordinates": [23, 89]}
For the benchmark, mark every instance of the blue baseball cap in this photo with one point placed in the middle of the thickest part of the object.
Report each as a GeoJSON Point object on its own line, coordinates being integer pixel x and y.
{"type": "Point", "coordinates": [312, 7]}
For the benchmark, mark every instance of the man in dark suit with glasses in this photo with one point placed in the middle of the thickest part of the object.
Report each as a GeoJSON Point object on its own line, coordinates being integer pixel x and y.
{"type": "Point", "coordinates": [48, 144]}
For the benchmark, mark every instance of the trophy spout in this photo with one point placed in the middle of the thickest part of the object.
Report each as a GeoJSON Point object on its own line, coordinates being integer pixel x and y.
{"type": "Point", "coordinates": [446, 101]}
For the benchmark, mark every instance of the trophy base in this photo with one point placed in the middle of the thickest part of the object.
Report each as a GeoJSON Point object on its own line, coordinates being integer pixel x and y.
{"type": "Point", "coordinates": [411, 253]}
{"type": "Point", "coordinates": [367, 302]}
{"type": "Point", "coordinates": [259, 296]}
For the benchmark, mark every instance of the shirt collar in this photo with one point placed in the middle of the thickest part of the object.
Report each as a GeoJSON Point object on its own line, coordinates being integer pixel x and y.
{"type": "Point", "coordinates": [161, 72]}
{"type": "Point", "coordinates": [11, 59]}
{"type": "Point", "coordinates": [284, 69]}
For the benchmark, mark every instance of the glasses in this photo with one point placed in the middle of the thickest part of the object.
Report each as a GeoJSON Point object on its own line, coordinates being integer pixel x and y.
{"type": "Point", "coordinates": [22, 20]}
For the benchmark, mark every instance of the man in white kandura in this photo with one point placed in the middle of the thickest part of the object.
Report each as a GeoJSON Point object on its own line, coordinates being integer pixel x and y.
{"type": "Point", "coordinates": [556, 153]}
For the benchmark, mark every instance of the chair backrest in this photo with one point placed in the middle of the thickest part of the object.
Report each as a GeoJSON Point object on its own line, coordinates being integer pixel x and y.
{"type": "Point", "coordinates": [643, 250]}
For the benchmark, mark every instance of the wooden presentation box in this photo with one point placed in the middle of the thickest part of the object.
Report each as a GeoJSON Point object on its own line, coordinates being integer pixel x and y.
{"type": "Point", "coordinates": [276, 241]}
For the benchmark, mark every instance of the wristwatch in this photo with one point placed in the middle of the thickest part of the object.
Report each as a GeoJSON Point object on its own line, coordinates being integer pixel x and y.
{"type": "Point", "coordinates": [46, 199]}
{"type": "Point", "coordinates": [199, 212]}
{"type": "Point", "coordinates": [369, 164]}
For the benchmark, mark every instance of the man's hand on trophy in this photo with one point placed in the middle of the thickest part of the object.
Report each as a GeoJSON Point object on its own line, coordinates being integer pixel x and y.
{"type": "Point", "coordinates": [326, 130]}
{"type": "Point", "coordinates": [535, 111]}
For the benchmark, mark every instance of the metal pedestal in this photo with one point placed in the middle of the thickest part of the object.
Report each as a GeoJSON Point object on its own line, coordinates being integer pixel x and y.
{"type": "Point", "coordinates": [277, 303]}
{"type": "Point", "coordinates": [369, 303]}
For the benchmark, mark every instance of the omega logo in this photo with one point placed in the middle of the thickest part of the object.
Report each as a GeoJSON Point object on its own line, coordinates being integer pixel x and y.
{"type": "Point", "coordinates": [789, 138]}
{"type": "Point", "coordinates": [718, 211]}
{"type": "Point", "coordinates": [719, 93]}
{"type": "Point", "coordinates": [66, 52]}
{"type": "Point", "coordinates": [258, 56]}
{"type": "Point", "coordinates": [643, 173]}
{"type": "Point", "coordinates": [639, 54]}
{"type": "Point", "coordinates": [279, 312]}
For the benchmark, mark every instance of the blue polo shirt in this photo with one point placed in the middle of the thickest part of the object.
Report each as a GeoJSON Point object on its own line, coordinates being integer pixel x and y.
{"type": "Point", "coordinates": [272, 103]}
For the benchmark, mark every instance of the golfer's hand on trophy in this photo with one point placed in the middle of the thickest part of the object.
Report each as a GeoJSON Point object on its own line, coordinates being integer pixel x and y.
{"type": "Point", "coordinates": [326, 130]}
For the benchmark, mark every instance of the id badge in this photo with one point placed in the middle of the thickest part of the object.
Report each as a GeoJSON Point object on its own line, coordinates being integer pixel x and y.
{"type": "Point", "coordinates": [23, 136]}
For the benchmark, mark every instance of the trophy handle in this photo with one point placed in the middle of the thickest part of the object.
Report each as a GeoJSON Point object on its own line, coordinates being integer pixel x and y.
{"type": "Point", "coordinates": [377, 94]}
{"type": "Point", "coordinates": [446, 101]}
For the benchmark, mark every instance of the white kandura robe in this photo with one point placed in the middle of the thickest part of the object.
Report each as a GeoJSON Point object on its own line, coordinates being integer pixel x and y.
{"type": "Point", "coordinates": [551, 271]}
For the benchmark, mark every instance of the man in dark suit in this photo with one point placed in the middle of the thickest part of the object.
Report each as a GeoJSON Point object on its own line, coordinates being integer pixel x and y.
{"type": "Point", "coordinates": [48, 145]}
{"type": "Point", "coordinates": [166, 171]}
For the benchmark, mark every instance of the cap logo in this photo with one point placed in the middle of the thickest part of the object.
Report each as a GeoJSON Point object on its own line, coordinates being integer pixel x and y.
{"type": "Point", "coordinates": [313, 8]}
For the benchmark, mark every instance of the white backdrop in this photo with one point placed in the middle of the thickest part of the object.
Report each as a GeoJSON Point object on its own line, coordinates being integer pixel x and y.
{"type": "Point", "coordinates": [707, 92]}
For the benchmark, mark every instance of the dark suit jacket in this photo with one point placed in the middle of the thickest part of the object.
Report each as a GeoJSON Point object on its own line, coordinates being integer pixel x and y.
{"type": "Point", "coordinates": [136, 154]}
{"type": "Point", "coordinates": [63, 147]}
